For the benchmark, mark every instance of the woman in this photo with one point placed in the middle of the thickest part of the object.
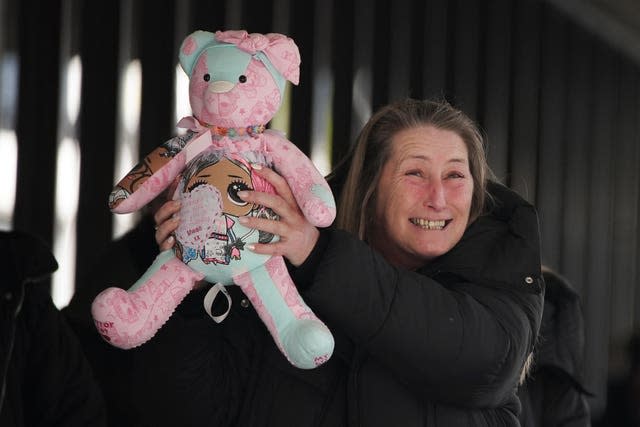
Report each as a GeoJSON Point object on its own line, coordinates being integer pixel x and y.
{"type": "Point", "coordinates": [430, 282]}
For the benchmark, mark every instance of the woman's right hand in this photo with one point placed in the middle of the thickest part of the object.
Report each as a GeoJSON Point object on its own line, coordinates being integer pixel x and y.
{"type": "Point", "coordinates": [167, 220]}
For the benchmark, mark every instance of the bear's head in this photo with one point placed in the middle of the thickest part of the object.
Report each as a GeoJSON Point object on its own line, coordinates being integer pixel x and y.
{"type": "Point", "coordinates": [237, 79]}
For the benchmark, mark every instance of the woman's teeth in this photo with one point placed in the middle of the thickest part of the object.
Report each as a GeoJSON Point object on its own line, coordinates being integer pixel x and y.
{"type": "Point", "coordinates": [428, 224]}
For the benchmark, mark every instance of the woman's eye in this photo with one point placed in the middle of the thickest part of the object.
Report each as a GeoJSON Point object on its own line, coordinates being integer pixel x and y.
{"type": "Point", "coordinates": [455, 175]}
{"type": "Point", "coordinates": [414, 173]}
{"type": "Point", "coordinates": [232, 192]}
{"type": "Point", "coordinates": [242, 78]}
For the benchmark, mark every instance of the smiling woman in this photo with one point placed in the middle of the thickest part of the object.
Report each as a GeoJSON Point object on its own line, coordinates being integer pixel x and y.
{"type": "Point", "coordinates": [430, 281]}
{"type": "Point", "coordinates": [423, 200]}
{"type": "Point", "coordinates": [406, 135]}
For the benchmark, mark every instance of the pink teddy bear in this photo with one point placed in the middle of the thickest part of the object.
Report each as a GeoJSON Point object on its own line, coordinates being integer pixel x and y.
{"type": "Point", "coordinates": [237, 81]}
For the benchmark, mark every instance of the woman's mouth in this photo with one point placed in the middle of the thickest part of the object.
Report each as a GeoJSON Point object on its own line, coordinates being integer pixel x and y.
{"type": "Point", "coordinates": [428, 224]}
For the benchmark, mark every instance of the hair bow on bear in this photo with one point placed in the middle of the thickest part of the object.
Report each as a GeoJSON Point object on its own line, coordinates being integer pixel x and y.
{"type": "Point", "coordinates": [236, 84]}
{"type": "Point", "coordinates": [279, 49]}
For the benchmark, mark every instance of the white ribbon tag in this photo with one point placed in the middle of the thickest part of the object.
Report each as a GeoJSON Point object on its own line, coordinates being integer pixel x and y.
{"type": "Point", "coordinates": [211, 295]}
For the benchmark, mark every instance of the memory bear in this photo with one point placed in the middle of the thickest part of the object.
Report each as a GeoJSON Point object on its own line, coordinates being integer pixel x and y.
{"type": "Point", "coordinates": [236, 86]}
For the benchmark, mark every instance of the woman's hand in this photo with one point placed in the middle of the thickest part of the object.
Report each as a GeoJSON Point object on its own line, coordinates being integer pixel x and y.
{"type": "Point", "coordinates": [297, 235]}
{"type": "Point", "coordinates": [167, 221]}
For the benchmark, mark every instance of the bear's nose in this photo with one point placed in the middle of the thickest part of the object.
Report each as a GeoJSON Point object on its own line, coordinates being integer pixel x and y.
{"type": "Point", "coordinates": [220, 86]}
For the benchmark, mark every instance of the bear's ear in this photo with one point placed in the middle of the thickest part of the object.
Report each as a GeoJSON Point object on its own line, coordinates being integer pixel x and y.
{"type": "Point", "coordinates": [284, 55]}
{"type": "Point", "coordinates": [192, 46]}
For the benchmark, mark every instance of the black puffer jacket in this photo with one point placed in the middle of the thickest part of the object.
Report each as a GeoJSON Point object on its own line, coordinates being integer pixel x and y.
{"type": "Point", "coordinates": [45, 378]}
{"type": "Point", "coordinates": [444, 346]}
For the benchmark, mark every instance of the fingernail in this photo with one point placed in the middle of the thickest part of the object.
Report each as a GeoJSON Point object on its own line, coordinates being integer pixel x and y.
{"type": "Point", "coordinates": [256, 166]}
{"type": "Point", "coordinates": [176, 217]}
{"type": "Point", "coordinates": [243, 219]}
{"type": "Point", "coordinates": [170, 239]}
{"type": "Point", "coordinates": [250, 246]}
{"type": "Point", "coordinates": [242, 194]}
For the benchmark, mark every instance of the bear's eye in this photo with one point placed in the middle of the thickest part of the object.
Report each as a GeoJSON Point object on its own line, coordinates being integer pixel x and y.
{"type": "Point", "coordinates": [242, 78]}
{"type": "Point", "coordinates": [207, 77]}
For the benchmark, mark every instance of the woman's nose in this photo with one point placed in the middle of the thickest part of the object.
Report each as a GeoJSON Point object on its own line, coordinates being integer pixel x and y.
{"type": "Point", "coordinates": [436, 196]}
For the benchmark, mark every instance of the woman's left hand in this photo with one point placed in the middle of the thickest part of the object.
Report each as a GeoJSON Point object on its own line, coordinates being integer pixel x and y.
{"type": "Point", "coordinates": [297, 235]}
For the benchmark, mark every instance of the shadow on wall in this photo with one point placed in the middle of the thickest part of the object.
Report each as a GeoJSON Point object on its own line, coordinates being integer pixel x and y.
{"type": "Point", "coordinates": [623, 391]}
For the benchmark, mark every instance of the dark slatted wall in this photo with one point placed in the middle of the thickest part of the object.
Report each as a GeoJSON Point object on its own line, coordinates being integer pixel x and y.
{"type": "Point", "coordinates": [559, 105]}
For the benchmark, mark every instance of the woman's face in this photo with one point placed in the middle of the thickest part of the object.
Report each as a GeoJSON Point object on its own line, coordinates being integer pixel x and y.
{"type": "Point", "coordinates": [423, 198]}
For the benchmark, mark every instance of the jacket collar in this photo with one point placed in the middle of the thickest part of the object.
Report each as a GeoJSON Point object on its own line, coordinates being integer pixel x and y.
{"type": "Point", "coordinates": [500, 248]}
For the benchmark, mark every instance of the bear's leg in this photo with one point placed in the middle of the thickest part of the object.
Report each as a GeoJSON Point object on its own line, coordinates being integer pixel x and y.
{"type": "Point", "coordinates": [303, 338]}
{"type": "Point", "coordinates": [127, 319]}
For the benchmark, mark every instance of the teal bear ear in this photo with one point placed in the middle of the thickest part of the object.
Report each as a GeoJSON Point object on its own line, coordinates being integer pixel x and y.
{"type": "Point", "coordinates": [192, 46]}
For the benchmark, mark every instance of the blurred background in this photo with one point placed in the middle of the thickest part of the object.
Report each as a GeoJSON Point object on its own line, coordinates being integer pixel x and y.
{"type": "Point", "coordinates": [88, 87]}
